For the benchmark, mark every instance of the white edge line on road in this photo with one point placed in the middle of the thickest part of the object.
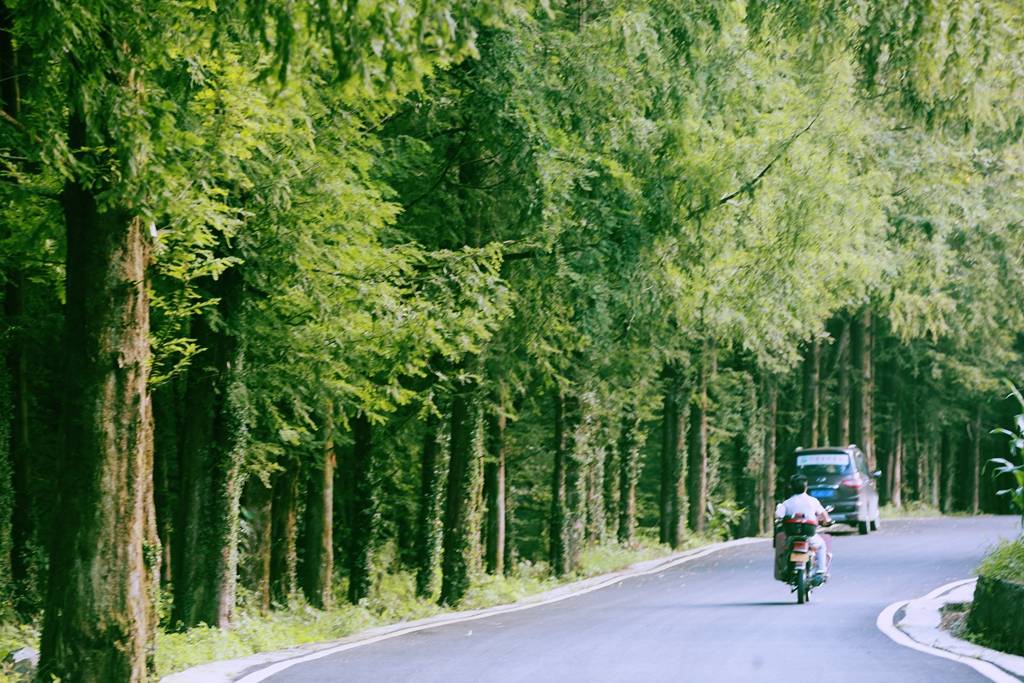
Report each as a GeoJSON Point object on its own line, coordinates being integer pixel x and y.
{"type": "Point", "coordinates": [265, 673]}
{"type": "Point", "coordinates": [887, 626]}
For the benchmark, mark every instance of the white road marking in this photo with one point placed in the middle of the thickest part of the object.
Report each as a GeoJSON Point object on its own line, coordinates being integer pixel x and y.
{"type": "Point", "coordinates": [264, 674]}
{"type": "Point", "coordinates": [885, 624]}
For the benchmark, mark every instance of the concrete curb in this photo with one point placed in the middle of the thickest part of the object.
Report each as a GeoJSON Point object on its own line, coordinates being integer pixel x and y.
{"type": "Point", "coordinates": [259, 667]}
{"type": "Point", "coordinates": [916, 624]}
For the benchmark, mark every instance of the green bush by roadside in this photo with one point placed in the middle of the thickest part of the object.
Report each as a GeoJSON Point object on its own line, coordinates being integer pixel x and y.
{"type": "Point", "coordinates": [1006, 562]}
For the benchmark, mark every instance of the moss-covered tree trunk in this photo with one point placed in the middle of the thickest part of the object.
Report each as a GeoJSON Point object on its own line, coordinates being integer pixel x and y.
{"type": "Point", "coordinates": [672, 490]}
{"type": "Point", "coordinates": [864, 388]}
{"type": "Point", "coordinates": [810, 429]}
{"type": "Point", "coordinates": [212, 452]}
{"type": "Point", "coordinates": [456, 529]}
{"type": "Point", "coordinates": [318, 558]}
{"type": "Point", "coordinates": [258, 498]}
{"type": "Point", "coordinates": [558, 521]}
{"type": "Point", "coordinates": [974, 481]}
{"type": "Point", "coordinates": [770, 394]}
{"type": "Point", "coordinates": [363, 509]}
{"type": "Point", "coordinates": [610, 484]}
{"type": "Point", "coordinates": [165, 471]}
{"type": "Point", "coordinates": [594, 506]}
{"type": "Point", "coordinates": [16, 399]}
{"type": "Point", "coordinates": [698, 456]}
{"type": "Point", "coordinates": [893, 471]}
{"type": "Point", "coordinates": [494, 492]}
{"type": "Point", "coordinates": [427, 536]}
{"type": "Point", "coordinates": [629, 475]}
{"type": "Point", "coordinates": [100, 609]}
{"type": "Point", "coordinates": [576, 469]}
{"type": "Point", "coordinates": [6, 487]}
{"type": "Point", "coordinates": [283, 525]}
{"type": "Point", "coordinates": [843, 391]}
{"type": "Point", "coordinates": [948, 470]}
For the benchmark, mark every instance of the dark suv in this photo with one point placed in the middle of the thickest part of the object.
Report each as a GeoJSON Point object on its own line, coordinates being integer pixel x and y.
{"type": "Point", "coordinates": [839, 476]}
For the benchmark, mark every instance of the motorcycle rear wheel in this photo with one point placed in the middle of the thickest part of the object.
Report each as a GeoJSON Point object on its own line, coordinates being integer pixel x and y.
{"type": "Point", "coordinates": [801, 586]}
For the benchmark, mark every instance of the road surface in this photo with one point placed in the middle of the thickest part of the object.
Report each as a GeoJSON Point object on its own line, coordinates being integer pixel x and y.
{"type": "Point", "coordinates": [720, 618]}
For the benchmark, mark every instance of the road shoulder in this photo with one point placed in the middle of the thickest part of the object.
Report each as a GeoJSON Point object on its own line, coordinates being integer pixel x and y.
{"type": "Point", "coordinates": [917, 624]}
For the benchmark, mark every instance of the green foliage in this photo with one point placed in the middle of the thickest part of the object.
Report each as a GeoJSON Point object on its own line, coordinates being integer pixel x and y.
{"type": "Point", "coordinates": [1006, 562]}
{"type": "Point", "coordinates": [540, 198]}
{"type": "Point", "coordinates": [1005, 467]}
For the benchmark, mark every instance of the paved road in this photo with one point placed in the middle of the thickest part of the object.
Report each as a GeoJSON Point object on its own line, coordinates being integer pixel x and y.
{"type": "Point", "coordinates": [721, 618]}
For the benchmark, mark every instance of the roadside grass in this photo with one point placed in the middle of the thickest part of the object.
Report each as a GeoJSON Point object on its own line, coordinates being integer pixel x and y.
{"type": "Point", "coordinates": [394, 601]}
{"type": "Point", "coordinates": [1005, 562]}
{"type": "Point", "coordinates": [911, 509]}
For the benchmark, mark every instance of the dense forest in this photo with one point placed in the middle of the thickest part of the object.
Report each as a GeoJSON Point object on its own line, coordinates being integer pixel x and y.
{"type": "Point", "coordinates": [298, 294]}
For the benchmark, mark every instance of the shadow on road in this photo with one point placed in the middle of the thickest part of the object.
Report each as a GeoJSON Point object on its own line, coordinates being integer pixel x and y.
{"type": "Point", "coordinates": [716, 605]}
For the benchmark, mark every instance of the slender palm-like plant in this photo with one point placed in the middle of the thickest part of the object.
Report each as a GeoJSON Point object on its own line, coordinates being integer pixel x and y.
{"type": "Point", "coordinates": [1004, 466]}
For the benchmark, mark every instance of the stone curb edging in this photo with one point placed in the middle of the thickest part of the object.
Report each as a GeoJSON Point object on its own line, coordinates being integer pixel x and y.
{"type": "Point", "coordinates": [255, 668]}
{"type": "Point", "coordinates": [920, 622]}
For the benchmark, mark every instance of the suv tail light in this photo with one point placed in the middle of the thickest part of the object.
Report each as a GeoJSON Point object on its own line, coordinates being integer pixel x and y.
{"type": "Point", "coordinates": [852, 483]}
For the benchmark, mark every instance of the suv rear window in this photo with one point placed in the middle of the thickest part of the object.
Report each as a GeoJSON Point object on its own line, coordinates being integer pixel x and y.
{"type": "Point", "coordinates": [823, 464]}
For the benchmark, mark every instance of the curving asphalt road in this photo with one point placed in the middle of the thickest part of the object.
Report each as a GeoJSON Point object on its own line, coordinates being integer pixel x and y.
{"type": "Point", "coordinates": [720, 618]}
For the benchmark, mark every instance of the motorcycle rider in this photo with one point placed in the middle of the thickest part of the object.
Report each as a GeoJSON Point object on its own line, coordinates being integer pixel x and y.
{"type": "Point", "coordinates": [802, 504]}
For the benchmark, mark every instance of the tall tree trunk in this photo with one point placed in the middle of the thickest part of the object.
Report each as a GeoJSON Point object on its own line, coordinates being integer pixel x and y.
{"type": "Point", "coordinates": [558, 535]}
{"type": "Point", "coordinates": [594, 503]}
{"type": "Point", "coordinates": [165, 469]}
{"type": "Point", "coordinates": [975, 462]}
{"type": "Point", "coordinates": [610, 484]}
{"type": "Point", "coordinates": [629, 475]}
{"type": "Point", "coordinates": [258, 500]}
{"type": "Point", "coordinates": [22, 531]}
{"type": "Point", "coordinates": [863, 353]}
{"type": "Point", "coordinates": [844, 394]}
{"type": "Point", "coordinates": [456, 529]}
{"type": "Point", "coordinates": [494, 487]}
{"type": "Point", "coordinates": [575, 481]}
{"type": "Point", "coordinates": [427, 536]}
{"type": "Point", "coordinates": [213, 450]}
{"type": "Point", "coordinates": [283, 525]}
{"type": "Point", "coordinates": [936, 445]}
{"type": "Point", "coordinates": [318, 558]}
{"type": "Point", "coordinates": [363, 509]}
{"type": "Point", "coordinates": [22, 527]}
{"type": "Point", "coordinates": [6, 483]}
{"type": "Point", "coordinates": [812, 374]}
{"type": "Point", "coordinates": [771, 409]}
{"type": "Point", "coordinates": [914, 458]}
{"type": "Point", "coordinates": [948, 465]}
{"type": "Point", "coordinates": [673, 459]}
{"type": "Point", "coordinates": [105, 557]}
{"type": "Point", "coordinates": [749, 461]}
{"type": "Point", "coordinates": [894, 469]}
{"type": "Point", "coordinates": [698, 467]}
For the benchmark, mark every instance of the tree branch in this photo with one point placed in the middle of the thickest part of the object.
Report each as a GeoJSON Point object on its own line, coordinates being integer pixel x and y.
{"type": "Point", "coordinates": [753, 182]}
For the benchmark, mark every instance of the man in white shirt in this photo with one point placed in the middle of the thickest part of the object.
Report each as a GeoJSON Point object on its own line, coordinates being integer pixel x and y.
{"type": "Point", "coordinates": [801, 504]}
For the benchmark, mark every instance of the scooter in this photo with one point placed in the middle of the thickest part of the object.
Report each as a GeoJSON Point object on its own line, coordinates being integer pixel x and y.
{"type": "Point", "coordinates": [795, 562]}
